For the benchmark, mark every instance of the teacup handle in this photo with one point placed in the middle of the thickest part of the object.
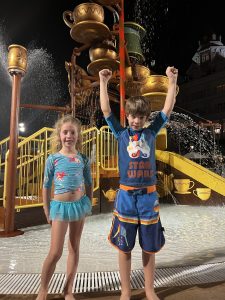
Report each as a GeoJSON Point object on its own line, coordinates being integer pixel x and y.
{"type": "Point", "coordinates": [67, 14]}
{"type": "Point", "coordinates": [195, 193]}
{"type": "Point", "coordinates": [192, 182]}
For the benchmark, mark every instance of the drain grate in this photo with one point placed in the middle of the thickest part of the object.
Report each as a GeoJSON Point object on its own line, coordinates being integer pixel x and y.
{"type": "Point", "coordinates": [110, 281]}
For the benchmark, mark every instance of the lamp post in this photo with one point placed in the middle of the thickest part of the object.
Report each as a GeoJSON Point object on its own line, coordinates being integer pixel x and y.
{"type": "Point", "coordinates": [217, 131]}
{"type": "Point", "coordinates": [22, 127]}
{"type": "Point", "coordinates": [17, 64]}
{"type": "Point", "coordinates": [216, 135]}
{"type": "Point", "coordinates": [200, 145]}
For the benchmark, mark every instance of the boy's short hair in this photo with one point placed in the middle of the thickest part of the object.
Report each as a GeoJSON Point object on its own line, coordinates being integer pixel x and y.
{"type": "Point", "coordinates": [138, 105]}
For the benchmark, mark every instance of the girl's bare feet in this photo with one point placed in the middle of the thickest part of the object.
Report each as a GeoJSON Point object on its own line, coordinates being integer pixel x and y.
{"type": "Point", "coordinates": [151, 295]}
{"type": "Point", "coordinates": [69, 297]}
{"type": "Point", "coordinates": [42, 296]}
{"type": "Point", "coordinates": [124, 296]}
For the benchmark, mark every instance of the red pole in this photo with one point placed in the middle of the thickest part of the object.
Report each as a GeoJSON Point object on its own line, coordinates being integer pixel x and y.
{"type": "Point", "coordinates": [122, 65]}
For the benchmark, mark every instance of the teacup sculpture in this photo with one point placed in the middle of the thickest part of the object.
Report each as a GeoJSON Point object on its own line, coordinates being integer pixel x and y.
{"type": "Point", "coordinates": [84, 12]}
{"type": "Point", "coordinates": [137, 72]}
{"type": "Point", "coordinates": [183, 186]}
{"type": "Point", "coordinates": [86, 23]}
{"type": "Point", "coordinates": [202, 193]}
{"type": "Point", "coordinates": [155, 89]}
{"type": "Point", "coordinates": [103, 56]}
{"type": "Point", "coordinates": [135, 77]}
{"type": "Point", "coordinates": [102, 50]}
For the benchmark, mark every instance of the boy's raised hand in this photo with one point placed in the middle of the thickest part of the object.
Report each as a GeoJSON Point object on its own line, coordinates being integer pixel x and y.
{"type": "Point", "coordinates": [172, 73]}
{"type": "Point", "coordinates": [105, 75]}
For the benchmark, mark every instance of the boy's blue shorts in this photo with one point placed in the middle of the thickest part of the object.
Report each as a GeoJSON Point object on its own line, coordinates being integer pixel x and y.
{"type": "Point", "coordinates": [70, 211]}
{"type": "Point", "coordinates": [136, 211]}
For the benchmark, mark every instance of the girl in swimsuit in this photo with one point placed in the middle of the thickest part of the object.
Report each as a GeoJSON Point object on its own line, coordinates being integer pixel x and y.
{"type": "Point", "coordinates": [70, 172]}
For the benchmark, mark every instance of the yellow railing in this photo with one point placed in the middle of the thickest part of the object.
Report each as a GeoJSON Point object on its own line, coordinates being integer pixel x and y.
{"type": "Point", "coordinates": [4, 147]}
{"type": "Point", "coordinates": [91, 149]}
{"type": "Point", "coordinates": [108, 150]}
{"type": "Point", "coordinates": [32, 154]}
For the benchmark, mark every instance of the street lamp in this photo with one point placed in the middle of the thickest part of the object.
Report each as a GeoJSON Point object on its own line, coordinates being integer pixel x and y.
{"type": "Point", "coordinates": [217, 130]}
{"type": "Point", "coordinates": [17, 65]}
{"type": "Point", "coordinates": [22, 127]}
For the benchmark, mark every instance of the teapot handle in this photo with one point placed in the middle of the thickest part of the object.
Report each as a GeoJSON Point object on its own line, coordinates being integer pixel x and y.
{"type": "Point", "coordinates": [68, 18]}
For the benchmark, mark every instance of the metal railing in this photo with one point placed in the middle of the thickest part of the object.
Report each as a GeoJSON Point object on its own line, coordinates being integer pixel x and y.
{"type": "Point", "coordinates": [4, 147]}
{"type": "Point", "coordinates": [90, 147]}
{"type": "Point", "coordinates": [32, 154]}
{"type": "Point", "coordinates": [31, 157]}
{"type": "Point", "coordinates": [108, 150]}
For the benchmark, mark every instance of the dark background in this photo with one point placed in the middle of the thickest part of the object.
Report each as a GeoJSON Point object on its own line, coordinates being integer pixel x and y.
{"type": "Point", "coordinates": [39, 25]}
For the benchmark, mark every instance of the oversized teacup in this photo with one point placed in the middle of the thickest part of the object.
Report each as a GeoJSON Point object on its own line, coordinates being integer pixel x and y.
{"type": "Point", "coordinates": [84, 12]}
{"type": "Point", "coordinates": [202, 193]}
{"type": "Point", "coordinates": [183, 185]}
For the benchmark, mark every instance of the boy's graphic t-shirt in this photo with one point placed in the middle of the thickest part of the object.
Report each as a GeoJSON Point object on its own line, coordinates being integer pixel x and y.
{"type": "Point", "coordinates": [137, 165]}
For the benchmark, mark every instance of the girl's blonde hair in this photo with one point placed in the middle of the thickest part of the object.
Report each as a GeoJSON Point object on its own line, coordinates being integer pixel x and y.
{"type": "Point", "coordinates": [55, 141]}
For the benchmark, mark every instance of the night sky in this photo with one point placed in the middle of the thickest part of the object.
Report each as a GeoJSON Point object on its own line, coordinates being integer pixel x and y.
{"type": "Point", "coordinates": [39, 25]}
{"type": "Point", "coordinates": [41, 22]}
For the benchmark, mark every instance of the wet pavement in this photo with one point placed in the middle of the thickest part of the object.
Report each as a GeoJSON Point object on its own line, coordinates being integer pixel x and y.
{"type": "Point", "coordinates": [194, 235]}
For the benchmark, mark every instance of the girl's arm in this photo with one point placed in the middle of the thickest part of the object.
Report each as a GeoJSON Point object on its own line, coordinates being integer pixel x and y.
{"type": "Point", "coordinates": [47, 186]}
{"type": "Point", "coordinates": [89, 191]}
{"type": "Point", "coordinates": [46, 193]}
{"type": "Point", "coordinates": [87, 177]}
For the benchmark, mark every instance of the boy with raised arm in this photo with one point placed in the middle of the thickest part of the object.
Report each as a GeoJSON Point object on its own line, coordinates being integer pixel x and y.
{"type": "Point", "coordinates": [136, 205]}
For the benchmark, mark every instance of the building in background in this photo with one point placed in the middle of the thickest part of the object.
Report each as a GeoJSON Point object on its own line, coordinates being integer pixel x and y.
{"type": "Point", "coordinates": [203, 92]}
